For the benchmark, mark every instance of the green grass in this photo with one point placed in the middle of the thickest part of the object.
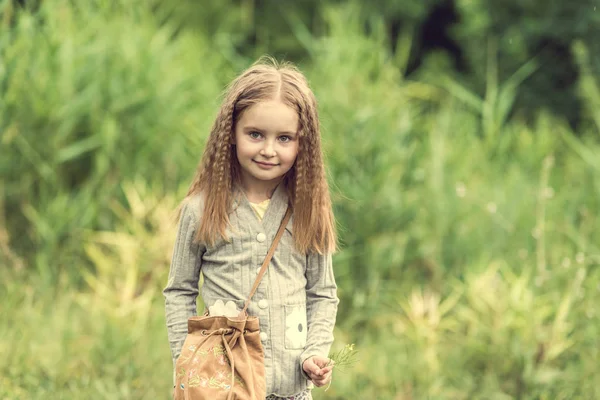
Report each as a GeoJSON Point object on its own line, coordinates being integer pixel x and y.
{"type": "Point", "coordinates": [469, 260]}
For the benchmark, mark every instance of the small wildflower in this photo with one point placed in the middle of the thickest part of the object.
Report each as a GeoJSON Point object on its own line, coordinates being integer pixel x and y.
{"type": "Point", "coordinates": [461, 189]}
{"type": "Point", "coordinates": [492, 208]}
{"type": "Point", "coordinates": [344, 357]}
{"type": "Point", "coordinates": [580, 258]}
{"type": "Point", "coordinates": [566, 262]}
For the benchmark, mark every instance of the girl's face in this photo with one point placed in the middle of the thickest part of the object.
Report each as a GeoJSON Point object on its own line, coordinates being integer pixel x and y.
{"type": "Point", "coordinates": [266, 139]}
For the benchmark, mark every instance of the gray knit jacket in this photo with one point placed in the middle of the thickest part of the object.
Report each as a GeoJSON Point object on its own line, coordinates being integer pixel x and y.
{"type": "Point", "coordinates": [296, 301]}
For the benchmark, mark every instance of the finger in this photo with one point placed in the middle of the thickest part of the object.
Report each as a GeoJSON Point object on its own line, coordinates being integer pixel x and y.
{"type": "Point", "coordinates": [321, 382]}
{"type": "Point", "coordinates": [326, 370]}
{"type": "Point", "coordinates": [319, 376]}
{"type": "Point", "coordinates": [323, 371]}
{"type": "Point", "coordinates": [316, 378]}
{"type": "Point", "coordinates": [314, 371]}
{"type": "Point", "coordinates": [310, 367]}
{"type": "Point", "coordinates": [318, 382]}
{"type": "Point", "coordinates": [322, 362]}
{"type": "Point", "coordinates": [326, 375]}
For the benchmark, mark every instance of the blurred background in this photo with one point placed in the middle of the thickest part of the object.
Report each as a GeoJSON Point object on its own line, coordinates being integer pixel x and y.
{"type": "Point", "coordinates": [462, 139]}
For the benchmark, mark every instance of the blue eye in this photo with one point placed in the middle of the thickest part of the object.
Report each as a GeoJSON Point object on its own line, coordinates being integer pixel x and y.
{"type": "Point", "coordinates": [254, 135]}
{"type": "Point", "coordinates": [285, 138]}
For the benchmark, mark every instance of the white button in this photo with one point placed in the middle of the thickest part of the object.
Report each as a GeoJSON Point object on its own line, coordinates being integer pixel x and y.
{"type": "Point", "coordinates": [258, 270]}
{"type": "Point", "coordinates": [263, 303]}
{"type": "Point", "coordinates": [263, 336]}
{"type": "Point", "coordinates": [261, 237]}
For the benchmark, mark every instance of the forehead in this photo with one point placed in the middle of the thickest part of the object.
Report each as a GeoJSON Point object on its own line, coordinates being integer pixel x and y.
{"type": "Point", "coordinates": [271, 116]}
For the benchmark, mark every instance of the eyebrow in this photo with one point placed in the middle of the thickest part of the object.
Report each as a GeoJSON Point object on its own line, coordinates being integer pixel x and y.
{"type": "Point", "coordinates": [252, 128]}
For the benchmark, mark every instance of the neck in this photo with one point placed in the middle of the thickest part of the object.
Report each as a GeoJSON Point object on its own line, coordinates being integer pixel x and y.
{"type": "Point", "coordinates": [260, 191]}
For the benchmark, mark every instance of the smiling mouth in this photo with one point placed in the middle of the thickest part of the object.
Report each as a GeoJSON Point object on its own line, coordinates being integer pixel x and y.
{"type": "Point", "coordinates": [264, 163]}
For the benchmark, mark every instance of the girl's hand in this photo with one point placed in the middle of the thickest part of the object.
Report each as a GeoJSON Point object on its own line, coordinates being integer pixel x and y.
{"type": "Point", "coordinates": [318, 369]}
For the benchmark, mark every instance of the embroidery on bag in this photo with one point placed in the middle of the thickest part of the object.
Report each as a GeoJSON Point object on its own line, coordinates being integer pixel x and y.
{"type": "Point", "coordinates": [188, 357]}
{"type": "Point", "coordinates": [221, 379]}
{"type": "Point", "coordinates": [218, 350]}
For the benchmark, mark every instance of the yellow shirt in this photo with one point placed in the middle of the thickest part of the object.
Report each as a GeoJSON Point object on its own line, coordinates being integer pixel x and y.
{"type": "Point", "coordinates": [260, 208]}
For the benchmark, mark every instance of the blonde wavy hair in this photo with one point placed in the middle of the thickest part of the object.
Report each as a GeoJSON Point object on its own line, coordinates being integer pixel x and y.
{"type": "Point", "coordinates": [218, 172]}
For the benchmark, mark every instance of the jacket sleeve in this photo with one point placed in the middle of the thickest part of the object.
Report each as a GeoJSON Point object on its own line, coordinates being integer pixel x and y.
{"type": "Point", "coordinates": [182, 286]}
{"type": "Point", "coordinates": [321, 306]}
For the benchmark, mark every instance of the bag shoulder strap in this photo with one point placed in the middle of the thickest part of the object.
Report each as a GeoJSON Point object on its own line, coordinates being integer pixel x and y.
{"type": "Point", "coordinates": [263, 269]}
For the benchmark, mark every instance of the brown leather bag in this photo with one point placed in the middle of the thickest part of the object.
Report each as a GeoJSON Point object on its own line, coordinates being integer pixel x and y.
{"type": "Point", "coordinates": [222, 357]}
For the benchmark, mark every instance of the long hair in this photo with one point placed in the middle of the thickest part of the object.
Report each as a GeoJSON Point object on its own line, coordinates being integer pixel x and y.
{"type": "Point", "coordinates": [218, 172]}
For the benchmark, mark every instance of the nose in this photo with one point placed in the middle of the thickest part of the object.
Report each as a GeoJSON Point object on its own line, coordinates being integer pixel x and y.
{"type": "Point", "coordinates": [268, 150]}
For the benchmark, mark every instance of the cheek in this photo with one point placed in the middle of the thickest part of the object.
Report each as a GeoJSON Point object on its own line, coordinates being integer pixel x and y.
{"type": "Point", "coordinates": [293, 155]}
{"type": "Point", "coordinates": [243, 151]}
{"type": "Point", "coordinates": [243, 158]}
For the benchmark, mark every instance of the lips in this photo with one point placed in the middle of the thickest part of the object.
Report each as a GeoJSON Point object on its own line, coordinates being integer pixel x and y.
{"type": "Point", "coordinates": [266, 164]}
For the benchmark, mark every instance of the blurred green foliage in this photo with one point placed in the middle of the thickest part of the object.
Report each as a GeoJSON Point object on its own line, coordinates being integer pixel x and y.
{"type": "Point", "coordinates": [469, 257]}
{"type": "Point", "coordinates": [452, 36]}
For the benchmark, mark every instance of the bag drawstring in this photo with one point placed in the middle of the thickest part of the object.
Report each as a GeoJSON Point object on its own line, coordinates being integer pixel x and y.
{"type": "Point", "coordinates": [232, 362]}
{"type": "Point", "coordinates": [221, 332]}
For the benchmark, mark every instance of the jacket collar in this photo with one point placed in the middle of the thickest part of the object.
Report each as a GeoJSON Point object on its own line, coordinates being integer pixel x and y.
{"type": "Point", "coordinates": [275, 211]}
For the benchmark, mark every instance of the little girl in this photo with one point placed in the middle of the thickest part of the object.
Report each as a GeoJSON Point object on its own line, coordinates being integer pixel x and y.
{"type": "Point", "coordinates": [263, 153]}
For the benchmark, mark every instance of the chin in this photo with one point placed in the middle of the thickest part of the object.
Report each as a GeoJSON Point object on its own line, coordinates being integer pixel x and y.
{"type": "Point", "coordinates": [268, 178]}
